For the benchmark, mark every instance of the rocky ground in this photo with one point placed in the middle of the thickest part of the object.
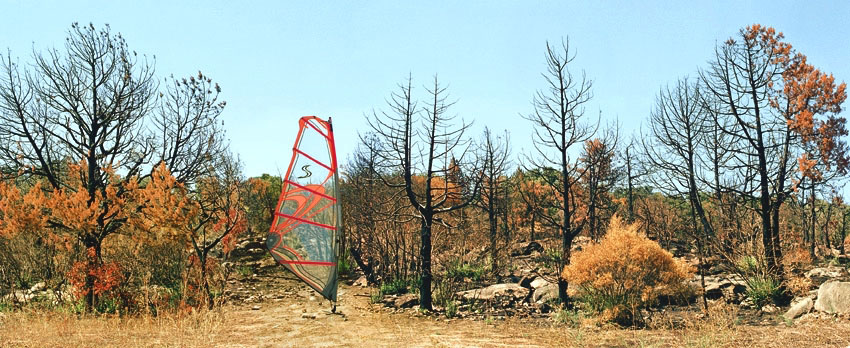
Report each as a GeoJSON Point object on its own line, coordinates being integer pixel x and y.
{"type": "Point", "coordinates": [267, 307]}
{"type": "Point", "coordinates": [526, 293]}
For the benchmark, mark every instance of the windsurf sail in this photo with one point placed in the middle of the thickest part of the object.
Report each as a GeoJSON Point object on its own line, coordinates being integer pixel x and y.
{"type": "Point", "coordinates": [305, 233]}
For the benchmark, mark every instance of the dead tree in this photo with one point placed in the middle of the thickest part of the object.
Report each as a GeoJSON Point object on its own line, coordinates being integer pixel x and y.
{"type": "Point", "coordinates": [495, 153]}
{"type": "Point", "coordinates": [677, 125]}
{"type": "Point", "coordinates": [420, 143]}
{"type": "Point", "coordinates": [557, 118]}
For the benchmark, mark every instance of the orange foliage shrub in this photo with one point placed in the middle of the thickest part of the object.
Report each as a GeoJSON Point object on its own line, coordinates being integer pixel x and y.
{"type": "Point", "coordinates": [108, 277]}
{"type": "Point", "coordinates": [624, 272]}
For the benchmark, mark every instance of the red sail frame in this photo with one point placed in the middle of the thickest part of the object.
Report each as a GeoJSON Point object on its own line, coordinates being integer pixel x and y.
{"type": "Point", "coordinates": [309, 202]}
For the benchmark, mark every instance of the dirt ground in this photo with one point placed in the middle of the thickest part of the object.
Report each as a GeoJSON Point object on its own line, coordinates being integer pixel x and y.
{"type": "Point", "coordinates": [301, 319]}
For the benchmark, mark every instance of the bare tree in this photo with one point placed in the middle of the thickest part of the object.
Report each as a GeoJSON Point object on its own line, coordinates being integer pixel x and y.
{"type": "Point", "coordinates": [188, 131]}
{"type": "Point", "coordinates": [558, 110]}
{"type": "Point", "coordinates": [495, 153]}
{"type": "Point", "coordinates": [676, 129]}
{"type": "Point", "coordinates": [220, 215]}
{"type": "Point", "coordinates": [421, 143]}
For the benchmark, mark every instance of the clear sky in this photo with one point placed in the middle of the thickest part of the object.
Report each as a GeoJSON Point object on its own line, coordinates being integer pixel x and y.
{"type": "Point", "coordinates": [279, 60]}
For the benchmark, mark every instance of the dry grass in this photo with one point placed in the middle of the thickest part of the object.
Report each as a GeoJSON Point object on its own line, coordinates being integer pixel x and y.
{"type": "Point", "coordinates": [52, 329]}
{"type": "Point", "coordinates": [279, 324]}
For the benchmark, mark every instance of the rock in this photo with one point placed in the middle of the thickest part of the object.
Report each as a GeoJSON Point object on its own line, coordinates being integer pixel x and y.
{"type": "Point", "coordinates": [545, 293]}
{"type": "Point", "coordinates": [406, 301]}
{"type": "Point", "coordinates": [267, 263]}
{"type": "Point", "coordinates": [361, 282]}
{"type": "Point", "coordinates": [527, 249]}
{"type": "Point", "coordinates": [18, 296]}
{"type": "Point", "coordinates": [308, 315]}
{"type": "Point", "coordinates": [497, 290]}
{"type": "Point", "coordinates": [799, 308]}
{"type": "Point", "coordinates": [256, 251]}
{"type": "Point", "coordinates": [255, 308]}
{"type": "Point", "coordinates": [729, 287]}
{"type": "Point", "coordinates": [251, 244]}
{"type": "Point", "coordinates": [825, 272]}
{"type": "Point", "coordinates": [526, 281]}
{"type": "Point", "coordinates": [769, 308]}
{"type": "Point", "coordinates": [834, 297]}
{"type": "Point", "coordinates": [38, 287]}
{"type": "Point", "coordinates": [539, 283]}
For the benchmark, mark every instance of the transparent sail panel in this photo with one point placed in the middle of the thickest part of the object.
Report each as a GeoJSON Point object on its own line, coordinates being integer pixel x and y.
{"type": "Point", "coordinates": [304, 233]}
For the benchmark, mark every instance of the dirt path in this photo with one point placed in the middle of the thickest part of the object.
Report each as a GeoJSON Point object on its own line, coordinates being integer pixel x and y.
{"type": "Point", "coordinates": [290, 322]}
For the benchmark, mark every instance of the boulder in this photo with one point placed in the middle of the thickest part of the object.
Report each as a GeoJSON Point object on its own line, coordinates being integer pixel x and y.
{"type": "Point", "coordinates": [527, 249]}
{"type": "Point", "coordinates": [539, 282]}
{"type": "Point", "coordinates": [402, 301]}
{"type": "Point", "coordinates": [834, 297]}
{"type": "Point", "coordinates": [526, 281]}
{"type": "Point", "coordinates": [512, 290]}
{"type": "Point", "coordinates": [719, 286]}
{"type": "Point", "coordinates": [361, 282]}
{"type": "Point", "coordinates": [825, 272]}
{"type": "Point", "coordinates": [38, 287]}
{"type": "Point", "coordinates": [545, 293]}
{"type": "Point", "coordinates": [799, 308]}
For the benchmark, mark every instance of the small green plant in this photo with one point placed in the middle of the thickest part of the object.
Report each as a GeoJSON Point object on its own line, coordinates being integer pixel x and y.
{"type": "Point", "coordinates": [459, 271]}
{"type": "Point", "coordinates": [451, 309]}
{"type": "Point", "coordinates": [344, 265]}
{"type": "Point", "coordinates": [763, 290]}
{"type": "Point", "coordinates": [749, 265]}
{"type": "Point", "coordinates": [245, 271]}
{"type": "Point", "coordinates": [488, 320]}
{"type": "Point", "coordinates": [400, 286]}
{"type": "Point", "coordinates": [376, 297]}
{"type": "Point", "coordinates": [108, 305]}
{"type": "Point", "coordinates": [571, 318]}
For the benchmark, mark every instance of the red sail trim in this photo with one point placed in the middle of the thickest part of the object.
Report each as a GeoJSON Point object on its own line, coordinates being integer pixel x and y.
{"type": "Point", "coordinates": [314, 263]}
{"type": "Point", "coordinates": [316, 128]}
{"type": "Point", "coordinates": [305, 221]}
{"type": "Point", "coordinates": [312, 159]}
{"type": "Point", "coordinates": [292, 251]}
{"type": "Point", "coordinates": [310, 190]}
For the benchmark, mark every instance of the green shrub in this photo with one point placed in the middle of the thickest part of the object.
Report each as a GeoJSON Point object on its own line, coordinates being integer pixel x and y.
{"type": "Point", "coordinates": [344, 265]}
{"type": "Point", "coordinates": [400, 286]}
{"type": "Point", "coordinates": [763, 290]}
{"type": "Point", "coordinates": [451, 309]}
{"type": "Point", "coordinates": [749, 265]}
{"type": "Point", "coordinates": [376, 297]}
{"type": "Point", "coordinates": [459, 271]}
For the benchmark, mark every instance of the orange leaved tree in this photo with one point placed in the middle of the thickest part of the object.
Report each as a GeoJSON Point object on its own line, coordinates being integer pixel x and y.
{"type": "Point", "coordinates": [209, 214]}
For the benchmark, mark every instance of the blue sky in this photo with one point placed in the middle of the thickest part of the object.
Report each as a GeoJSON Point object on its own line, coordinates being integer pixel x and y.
{"type": "Point", "coordinates": [279, 60]}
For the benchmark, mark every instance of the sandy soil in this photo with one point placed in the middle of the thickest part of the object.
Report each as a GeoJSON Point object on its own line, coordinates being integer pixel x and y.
{"type": "Point", "coordinates": [293, 316]}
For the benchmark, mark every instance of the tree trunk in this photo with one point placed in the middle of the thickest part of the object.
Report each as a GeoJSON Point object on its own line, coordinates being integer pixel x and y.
{"type": "Point", "coordinates": [425, 259]}
{"type": "Point", "coordinates": [565, 261]}
{"type": "Point", "coordinates": [813, 219]}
